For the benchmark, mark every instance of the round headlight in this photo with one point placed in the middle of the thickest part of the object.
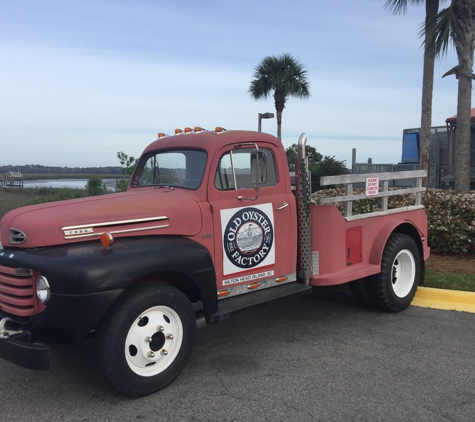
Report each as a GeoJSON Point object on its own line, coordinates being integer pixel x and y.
{"type": "Point", "coordinates": [42, 289]}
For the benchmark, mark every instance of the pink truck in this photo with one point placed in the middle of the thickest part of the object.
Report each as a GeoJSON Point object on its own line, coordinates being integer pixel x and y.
{"type": "Point", "coordinates": [209, 227]}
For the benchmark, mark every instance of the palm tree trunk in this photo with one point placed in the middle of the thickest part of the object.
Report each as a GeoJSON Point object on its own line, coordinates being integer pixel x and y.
{"type": "Point", "coordinates": [462, 137]}
{"type": "Point", "coordinates": [464, 44]}
{"type": "Point", "coordinates": [279, 100]}
{"type": "Point", "coordinates": [279, 125]}
{"type": "Point", "coordinates": [432, 7]}
{"type": "Point", "coordinates": [462, 140]}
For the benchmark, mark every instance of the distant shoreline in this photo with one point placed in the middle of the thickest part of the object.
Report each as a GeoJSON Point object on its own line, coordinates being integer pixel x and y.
{"type": "Point", "coordinates": [47, 176]}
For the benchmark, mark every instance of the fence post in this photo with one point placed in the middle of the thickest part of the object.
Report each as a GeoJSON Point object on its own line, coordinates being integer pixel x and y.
{"type": "Point", "coordinates": [419, 194]}
{"type": "Point", "coordinates": [349, 204]}
{"type": "Point", "coordinates": [384, 199]}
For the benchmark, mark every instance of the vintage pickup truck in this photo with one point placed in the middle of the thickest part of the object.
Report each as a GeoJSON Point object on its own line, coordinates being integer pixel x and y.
{"type": "Point", "coordinates": [209, 226]}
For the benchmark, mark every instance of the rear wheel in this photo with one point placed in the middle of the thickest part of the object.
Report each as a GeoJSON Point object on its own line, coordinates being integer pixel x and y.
{"type": "Point", "coordinates": [394, 288]}
{"type": "Point", "coordinates": [146, 339]}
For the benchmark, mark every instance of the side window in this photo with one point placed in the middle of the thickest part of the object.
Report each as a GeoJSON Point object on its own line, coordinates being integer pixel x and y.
{"type": "Point", "coordinates": [240, 161]}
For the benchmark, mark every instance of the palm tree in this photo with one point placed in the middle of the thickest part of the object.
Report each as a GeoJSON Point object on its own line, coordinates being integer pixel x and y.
{"type": "Point", "coordinates": [432, 7]}
{"type": "Point", "coordinates": [285, 76]}
{"type": "Point", "coordinates": [456, 23]}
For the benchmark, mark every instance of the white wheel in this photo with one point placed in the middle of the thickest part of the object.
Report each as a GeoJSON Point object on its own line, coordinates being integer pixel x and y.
{"type": "Point", "coordinates": [403, 273]}
{"type": "Point", "coordinates": [153, 341]}
{"type": "Point", "coordinates": [393, 289]}
{"type": "Point", "coordinates": [145, 340]}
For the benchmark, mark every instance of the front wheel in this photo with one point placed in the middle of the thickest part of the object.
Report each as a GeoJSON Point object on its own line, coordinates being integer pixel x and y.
{"type": "Point", "coordinates": [146, 340]}
{"type": "Point", "coordinates": [393, 289]}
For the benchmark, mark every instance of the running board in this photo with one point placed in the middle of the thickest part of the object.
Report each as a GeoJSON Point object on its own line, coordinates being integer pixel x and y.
{"type": "Point", "coordinates": [242, 303]}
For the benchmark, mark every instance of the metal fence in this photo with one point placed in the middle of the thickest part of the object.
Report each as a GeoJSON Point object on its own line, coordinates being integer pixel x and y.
{"type": "Point", "coordinates": [361, 168]}
{"type": "Point", "coordinates": [441, 160]}
{"type": "Point", "coordinates": [351, 181]}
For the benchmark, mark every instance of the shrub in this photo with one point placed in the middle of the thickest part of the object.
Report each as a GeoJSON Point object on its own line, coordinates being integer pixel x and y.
{"type": "Point", "coordinates": [451, 216]}
{"type": "Point", "coordinates": [60, 195]}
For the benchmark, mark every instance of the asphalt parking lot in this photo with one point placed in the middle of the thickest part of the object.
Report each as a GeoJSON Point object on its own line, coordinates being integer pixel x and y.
{"type": "Point", "coordinates": [320, 357]}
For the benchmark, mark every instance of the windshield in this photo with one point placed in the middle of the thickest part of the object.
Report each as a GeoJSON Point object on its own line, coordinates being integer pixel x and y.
{"type": "Point", "coordinates": [174, 168]}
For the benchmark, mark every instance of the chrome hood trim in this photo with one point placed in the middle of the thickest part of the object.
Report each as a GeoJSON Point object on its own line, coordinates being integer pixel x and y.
{"type": "Point", "coordinates": [87, 230]}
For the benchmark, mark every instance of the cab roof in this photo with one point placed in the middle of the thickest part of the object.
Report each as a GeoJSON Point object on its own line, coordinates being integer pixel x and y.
{"type": "Point", "coordinates": [210, 141]}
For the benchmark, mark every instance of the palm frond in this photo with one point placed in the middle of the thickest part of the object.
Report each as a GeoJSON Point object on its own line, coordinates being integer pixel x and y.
{"type": "Point", "coordinates": [283, 74]}
{"type": "Point", "coordinates": [442, 31]}
{"type": "Point", "coordinates": [400, 6]}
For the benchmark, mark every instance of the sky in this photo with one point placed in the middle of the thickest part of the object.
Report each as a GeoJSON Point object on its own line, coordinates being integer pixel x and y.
{"type": "Point", "coordinates": [81, 80]}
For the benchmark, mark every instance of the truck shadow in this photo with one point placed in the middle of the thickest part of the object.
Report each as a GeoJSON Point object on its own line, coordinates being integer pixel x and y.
{"type": "Point", "coordinates": [215, 346]}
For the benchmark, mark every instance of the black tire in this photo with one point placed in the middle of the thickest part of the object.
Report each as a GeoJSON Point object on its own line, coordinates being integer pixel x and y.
{"type": "Point", "coordinates": [146, 339]}
{"type": "Point", "coordinates": [394, 288]}
{"type": "Point", "coordinates": [361, 292]}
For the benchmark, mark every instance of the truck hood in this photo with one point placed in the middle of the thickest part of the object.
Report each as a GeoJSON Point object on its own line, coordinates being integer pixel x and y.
{"type": "Point", "coordinates": [132, 213]}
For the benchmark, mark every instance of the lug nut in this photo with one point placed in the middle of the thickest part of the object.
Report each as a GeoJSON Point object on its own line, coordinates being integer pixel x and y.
{"type": "Point", "coordinates": [148, 339]}
{"type": "Point", "coordinates": [169, 336]}
{"type": "Point", "coordinates": [151, 354]}
{"type": "Point", "coordinates": [160, 328]}
{"type": "Point", "coordinates": [164, 352]}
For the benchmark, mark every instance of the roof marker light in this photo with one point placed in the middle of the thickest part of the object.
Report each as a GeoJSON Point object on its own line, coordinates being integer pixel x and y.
{"type": "Point", "coordinates": [162, 135]}
{"type": "Point", "coordinates": [178, 132]}
{"type": "Point", "coordinates": [219, 129]}
{"type": "Point", "coordinates": [188, 130]}
{"type": "Point", "coordinates": [199, 129]}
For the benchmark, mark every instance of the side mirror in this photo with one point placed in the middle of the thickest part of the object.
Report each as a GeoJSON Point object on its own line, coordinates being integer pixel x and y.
{"type": "Point", "coordinates": [258, 167]}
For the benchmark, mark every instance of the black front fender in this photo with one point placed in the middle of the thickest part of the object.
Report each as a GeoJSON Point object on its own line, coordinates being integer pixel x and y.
{"type": "Point", "coordinates": [87, 269]}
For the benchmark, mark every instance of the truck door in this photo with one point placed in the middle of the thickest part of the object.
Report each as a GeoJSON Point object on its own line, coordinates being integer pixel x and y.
{"type": "Point", "coordinates": [255, 233]}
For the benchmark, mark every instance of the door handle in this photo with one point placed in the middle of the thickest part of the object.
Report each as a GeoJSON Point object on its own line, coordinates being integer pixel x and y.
{"type": "Point", "coordinates": [286, 204]}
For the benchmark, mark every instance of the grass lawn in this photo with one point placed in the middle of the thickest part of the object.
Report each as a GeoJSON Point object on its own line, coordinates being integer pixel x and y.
{"type": "Point", "coordinates": [451, 281]}
{"type": "Point", "coordinates": [11, 198]}
{"type": "Point", "coordinates": [453, 272]}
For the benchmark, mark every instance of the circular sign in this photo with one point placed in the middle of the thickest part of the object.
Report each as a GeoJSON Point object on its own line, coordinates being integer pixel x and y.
{"type": "Point", "coordinates": [248, 237]}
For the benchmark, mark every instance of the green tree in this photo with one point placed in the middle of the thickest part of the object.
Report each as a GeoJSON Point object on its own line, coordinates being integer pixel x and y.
{"type": "Point", "coordinates": [314, 157]}
{"type": "Point", "coordinates": [432, 7]}
{"type": "Point", "coordinates": [128, 165]}
{"type": "Point", "coordinates": [328, 166]}
{"type": "Point", "coordinates": [283, 75]}
{"type": "Point", "coordinates": [455, 25]}
{"type": "Point", "coordinates": [318, 164]}
{"type": "Point", "coordinates": [95, 186]}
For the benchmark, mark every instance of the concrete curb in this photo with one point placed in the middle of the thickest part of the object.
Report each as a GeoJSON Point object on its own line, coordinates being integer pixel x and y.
{"type": "Point", "coordinates": [452, 300]}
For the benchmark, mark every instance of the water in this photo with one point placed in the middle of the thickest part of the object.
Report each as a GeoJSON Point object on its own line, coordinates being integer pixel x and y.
{"type": "Point", "coordinates": [65, 183]}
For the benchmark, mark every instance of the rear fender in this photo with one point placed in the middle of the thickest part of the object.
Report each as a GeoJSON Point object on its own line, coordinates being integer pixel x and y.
{"type": "Point", "coordinates": [382, 237]}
